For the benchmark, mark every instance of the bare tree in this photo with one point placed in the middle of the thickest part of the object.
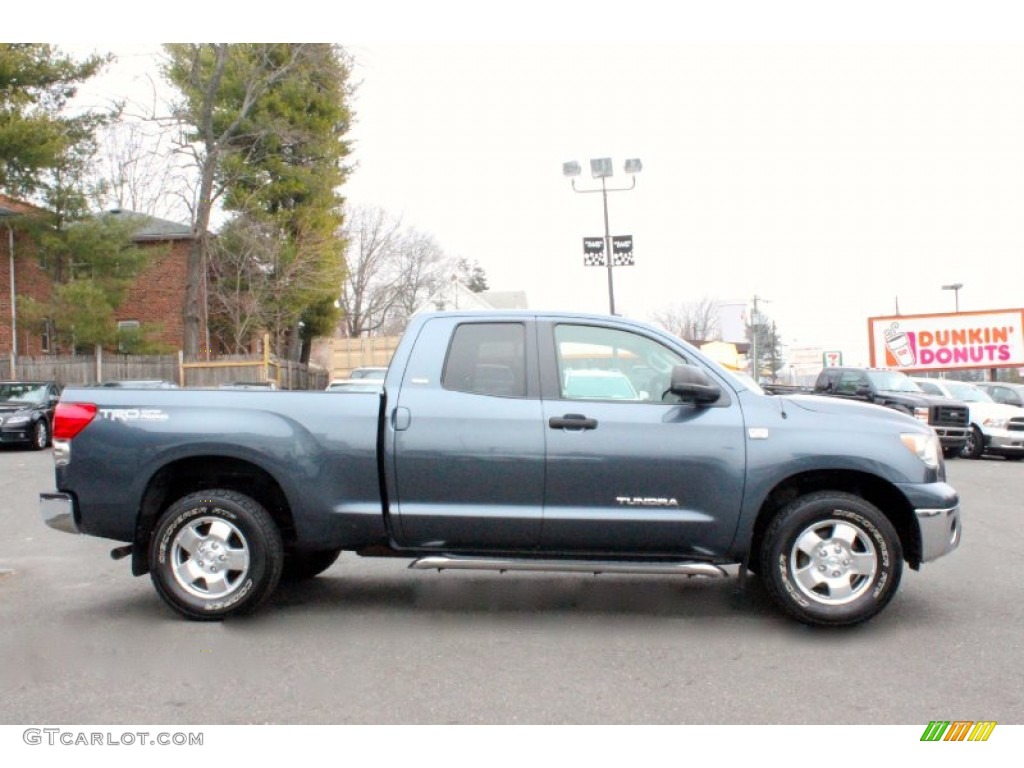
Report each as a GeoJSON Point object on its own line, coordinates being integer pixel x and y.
{"type": "Point", "coordinates": [421, 270]}
{"type": "Point", "coordinates": [391, 271]}
{"type": "Point", "coordinates": [241, 275]}
{"type": "Point", "coordinates": [370, 289]}
{"type": "Point", "coordinates": [138, 170]}
{"type": "Point", "coordinates": [256, 284]}
{"type": "Point", "coordinates": [693, 321]}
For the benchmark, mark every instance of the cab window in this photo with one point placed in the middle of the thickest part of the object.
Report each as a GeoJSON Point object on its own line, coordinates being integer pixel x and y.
{"type": "Point", "coordinates": [596, 363]}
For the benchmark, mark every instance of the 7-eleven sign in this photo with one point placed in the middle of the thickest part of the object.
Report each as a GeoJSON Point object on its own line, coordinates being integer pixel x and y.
{"type": "Point", "coordinates": [831, 359]}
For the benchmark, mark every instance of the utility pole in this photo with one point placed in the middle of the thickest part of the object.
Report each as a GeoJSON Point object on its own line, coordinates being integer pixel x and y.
{"type": "Point", "coordinates": [753, 336]}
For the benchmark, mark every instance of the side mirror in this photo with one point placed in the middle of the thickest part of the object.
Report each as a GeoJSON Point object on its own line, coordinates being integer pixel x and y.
{"type": "Point", "coordinates": [690, 383]}
{"type": "Point", "coordinates": [863, 390]}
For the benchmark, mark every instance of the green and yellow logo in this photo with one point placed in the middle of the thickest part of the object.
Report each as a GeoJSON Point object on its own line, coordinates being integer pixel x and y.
{"type": "Point", "coordinates": [958, 730]}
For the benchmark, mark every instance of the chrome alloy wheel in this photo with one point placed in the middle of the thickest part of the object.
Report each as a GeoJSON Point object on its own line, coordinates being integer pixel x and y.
{"type": "Point", "coordinates": [210, 557]}
{"type": "Point", "coordinates": [833, 562]}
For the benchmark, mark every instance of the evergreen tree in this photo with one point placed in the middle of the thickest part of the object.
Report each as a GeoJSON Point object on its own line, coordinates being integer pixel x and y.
{"type": "Point", "coordinates": [265, 123]}
{"type": "Point", "coordinates": [46, 156]}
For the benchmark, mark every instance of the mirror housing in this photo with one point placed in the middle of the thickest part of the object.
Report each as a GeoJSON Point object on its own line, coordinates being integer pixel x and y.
{"type": "Point", "coordinates": [692, 384]}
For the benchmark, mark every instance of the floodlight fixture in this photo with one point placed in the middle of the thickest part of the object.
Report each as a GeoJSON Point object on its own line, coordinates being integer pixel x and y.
{"type": "Point", "coordinates": [571, 168]}
{"type": "Point", "coordinates": [601, 167]}
{"type": "Point", "coordinates": [633, 165]}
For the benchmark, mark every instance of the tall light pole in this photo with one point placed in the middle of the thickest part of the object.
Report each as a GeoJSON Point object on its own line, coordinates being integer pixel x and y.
{"type": "Point", "coordinates": [955, 288]}
{"type": "Point", "coordinates": [601, 168]}
{"type": "Point", "coordinates": [754, 318]}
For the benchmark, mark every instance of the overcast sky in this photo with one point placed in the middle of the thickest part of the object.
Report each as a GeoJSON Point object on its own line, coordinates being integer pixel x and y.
{"type": "Point", "coordinates": [832, 166]}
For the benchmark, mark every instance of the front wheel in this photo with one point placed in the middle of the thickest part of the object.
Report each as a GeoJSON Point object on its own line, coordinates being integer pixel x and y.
{"type": "Point", "coordinates": [214, 554]}
{"type": "Point", "coordinates": [975, 444]}
{"type": "Point", "coordinates": [40, 435]}
{"type": "Point", "coordinates": [831, 559]}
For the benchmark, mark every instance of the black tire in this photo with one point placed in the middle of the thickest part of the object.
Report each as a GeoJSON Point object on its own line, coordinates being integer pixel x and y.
{"type": "Point", "coordinates": [40, 435]}
{"type": "Point", "coordinates": [1013, 458]}
{"type": "Point", "coordinates": [951, 453]}
{"type": "Point", "coordinates": [975, 445]}
{"type": "Point", "coordinates": [300, 565]}
{"type": "Point", "coordinates": [214, 554]}
{"type": "Point", "coordinates": [831, 559]}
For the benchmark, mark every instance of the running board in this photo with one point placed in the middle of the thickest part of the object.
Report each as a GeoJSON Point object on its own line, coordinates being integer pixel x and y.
{"type": "Point", "coordinates": [452, 562]}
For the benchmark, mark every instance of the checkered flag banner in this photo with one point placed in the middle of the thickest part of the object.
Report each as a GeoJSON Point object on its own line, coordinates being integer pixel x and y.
{"type": "Point", "coordinates": [593, 252]}
{"type": "Point", "coordinates": [622, 251]}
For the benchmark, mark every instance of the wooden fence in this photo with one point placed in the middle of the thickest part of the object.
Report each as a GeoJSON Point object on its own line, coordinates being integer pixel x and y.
{"type": "Point", "coordinates": [106, 366]}
{"type": "Point", "coordinates": [91, 369]}
{"type": "Point", "coordinates": [347, 354]}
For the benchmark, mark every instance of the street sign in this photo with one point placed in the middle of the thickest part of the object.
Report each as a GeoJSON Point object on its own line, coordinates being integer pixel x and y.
{"type": "Point", "coordinates": [622, 251]}
{"type": "Point", "coordinates": [593, 251]}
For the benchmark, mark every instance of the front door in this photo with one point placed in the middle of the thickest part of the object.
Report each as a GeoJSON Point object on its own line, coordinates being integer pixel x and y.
{"type": "Point", "coordinates": [627, 470]}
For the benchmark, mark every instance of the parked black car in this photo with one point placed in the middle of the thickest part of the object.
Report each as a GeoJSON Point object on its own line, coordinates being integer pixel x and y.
{"type": "Point", "coordinates": [894, 389]}
{"type": "Point", "coordinates": [26, 412]}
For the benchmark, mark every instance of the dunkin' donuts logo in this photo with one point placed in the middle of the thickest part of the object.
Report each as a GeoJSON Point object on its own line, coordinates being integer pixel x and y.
{"type": "Point", "coordinates": [981, 345]}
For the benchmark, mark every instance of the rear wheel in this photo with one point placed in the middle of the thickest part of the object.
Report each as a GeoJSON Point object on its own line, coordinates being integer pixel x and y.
{"type": "Point", "coordinates": [214, 554]}
{"type": "Point", "coordinates": [831, 559]}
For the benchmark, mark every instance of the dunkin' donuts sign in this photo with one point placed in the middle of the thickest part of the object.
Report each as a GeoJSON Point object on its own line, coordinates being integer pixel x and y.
{"type": "Point", "coordinates": [961, 340]}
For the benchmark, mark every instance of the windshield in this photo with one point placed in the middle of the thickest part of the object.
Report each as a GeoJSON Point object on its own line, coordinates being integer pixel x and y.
{"type": "Point", "coordinates": [23, 393]}
{"type": "Point", "coordinates": [968, 393]}
{"type": "Point", "coordinates": [892, 381]}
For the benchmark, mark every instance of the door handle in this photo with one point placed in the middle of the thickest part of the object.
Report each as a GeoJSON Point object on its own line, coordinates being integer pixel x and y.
{"type": "Point", "coordinates": [572, 421]}
{"type": "Point", "coordinates": [401, 418]}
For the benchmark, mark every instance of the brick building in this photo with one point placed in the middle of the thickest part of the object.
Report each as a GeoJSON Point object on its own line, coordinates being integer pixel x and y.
{"type": "Point", "coordinates": [155, 301]}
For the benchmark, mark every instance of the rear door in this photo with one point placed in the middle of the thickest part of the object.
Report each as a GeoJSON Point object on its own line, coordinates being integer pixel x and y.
{"type": "Point", "coordinates": [466, 441]}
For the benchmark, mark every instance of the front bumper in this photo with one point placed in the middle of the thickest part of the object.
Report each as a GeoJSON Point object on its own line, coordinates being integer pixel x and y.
{"type": "Point", "coordinates": [22, 433]}
{"type": "Point", "coordinates": [1004, 442]}
{"type": "Point", "coordinates": [952, 437]}
{"type": "Point", "coordinates": [937, 511]}
{"type": "Point", "coordinates": [58, 511]}
{"type": "Point", "coordinates": [940, 531]}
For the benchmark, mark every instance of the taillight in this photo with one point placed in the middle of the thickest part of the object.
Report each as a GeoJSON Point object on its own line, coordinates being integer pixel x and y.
{"type": "Point", "coordinates": [71, 418]}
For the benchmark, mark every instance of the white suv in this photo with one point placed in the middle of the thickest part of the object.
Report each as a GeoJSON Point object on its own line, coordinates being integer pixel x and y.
{"type": "Point", "coordinates": [996, 428]}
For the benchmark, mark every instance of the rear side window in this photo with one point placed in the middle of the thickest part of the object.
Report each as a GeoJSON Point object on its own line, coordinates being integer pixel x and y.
{"type": "Point", "coordinates": [849, 382]}
{"type": "Point", "coordinates": [487, 359]}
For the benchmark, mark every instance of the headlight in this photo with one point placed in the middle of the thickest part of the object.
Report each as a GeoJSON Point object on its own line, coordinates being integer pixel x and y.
{"type": "Point", "coordinates": [926, 447]}
{"type": "Point", "coordinates": [921, 414]}
{"type": "Point", "coordinates": [995, 423]}
{"type": "Point", "coordinates": [18, 419]}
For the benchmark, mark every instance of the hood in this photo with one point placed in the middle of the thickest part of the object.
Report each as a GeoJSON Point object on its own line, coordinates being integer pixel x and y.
{"type": "Point", "coordinates": [982, 411]}
{"type": "Point", "coordinates": [919, 398]}
{"type": "Point", "coordinates": [7, 406]}
{"type": "Point", "coordinates": [851, 408]}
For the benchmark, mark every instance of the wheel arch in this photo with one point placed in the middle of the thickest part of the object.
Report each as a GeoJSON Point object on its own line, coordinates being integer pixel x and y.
{"type": "Point", "coordinates": [873, 489]}
{"type": "Point", "coordinates": [189, 475]}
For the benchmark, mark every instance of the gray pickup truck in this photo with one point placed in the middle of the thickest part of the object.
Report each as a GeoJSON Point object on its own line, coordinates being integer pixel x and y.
{"type": "Point", "coordinates": [509, 441]}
